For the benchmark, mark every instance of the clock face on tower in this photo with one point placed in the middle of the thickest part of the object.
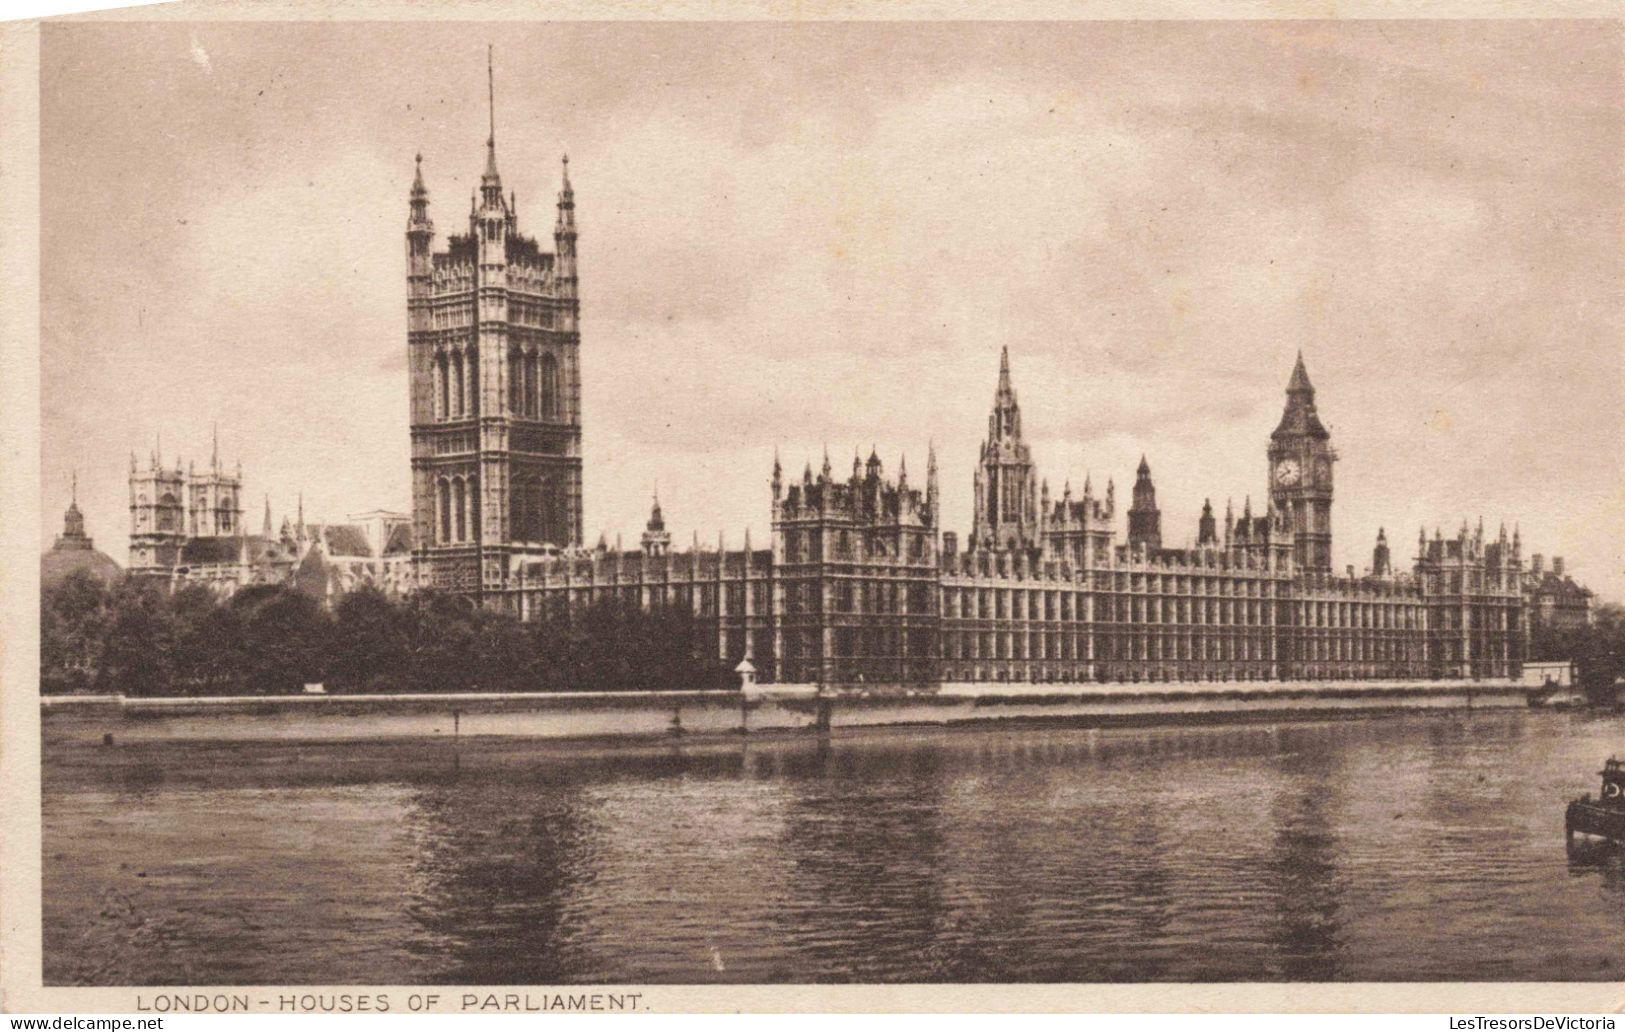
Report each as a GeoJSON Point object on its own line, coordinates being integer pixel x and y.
{"type": "Point", "coordinates": [1287, 472]}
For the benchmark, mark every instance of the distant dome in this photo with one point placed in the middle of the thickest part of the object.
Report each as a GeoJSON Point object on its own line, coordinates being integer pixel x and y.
{"type": "Point", "coordinates": [57, 564]}
{"type": "Point", "coordinates": [75, 551]}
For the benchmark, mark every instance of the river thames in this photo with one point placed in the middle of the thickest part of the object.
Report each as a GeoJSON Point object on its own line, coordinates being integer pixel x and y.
{"type": "Point", "coordinates": [1384, 849]}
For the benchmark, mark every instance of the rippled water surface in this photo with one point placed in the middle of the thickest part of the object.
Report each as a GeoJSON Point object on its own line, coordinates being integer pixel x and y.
{"type": "Point", "coordinates": [1411, 848]}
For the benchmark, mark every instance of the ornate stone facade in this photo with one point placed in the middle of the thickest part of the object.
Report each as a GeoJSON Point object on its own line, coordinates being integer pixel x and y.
{"type": "Point", "coordinates": [1555, 599]}
{"type": "Point", "coordinates": [861, 587]}
{"type": "Point", "coordinates": [493, 346]}
{"type": "Point", "coordinates": [207, 542]}
{"type": "Point", "coordinates": [863, 590]}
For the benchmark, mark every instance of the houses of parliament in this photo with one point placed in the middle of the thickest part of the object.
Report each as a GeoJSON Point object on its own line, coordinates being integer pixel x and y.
{"type": "Point", "coordinates": [861, 586]}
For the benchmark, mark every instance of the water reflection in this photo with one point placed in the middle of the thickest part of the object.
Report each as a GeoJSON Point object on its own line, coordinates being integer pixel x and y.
{"type": "Point", "coordinates": [1302, 870]}
{"type": "Point", "coordinates": [1367, 850]}
{"type": "Point", "coordinates": [494, 865]}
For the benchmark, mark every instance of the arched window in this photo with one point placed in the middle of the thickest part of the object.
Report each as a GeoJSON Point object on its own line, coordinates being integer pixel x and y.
{"type": "Point", "coordinates": [520, 512]}
{"type": "Point", "coordinates": [168, 509]}
{"type": "Point", "coordinates": [530, 385]}
{"type": "Point", "coordinates": [551, 402]}
{"type": "Point", "coordinates": [457, 389]}
{"type": "Point", "coordinates": [516, 382]}
{"type": "Point", "coordinates": [459, 501]}
{"type": "Point", "coordinates": [443, 489]}
{"type": "Point", "coordinates": [547, 512]}
{"type": "Point", "coordinates": [442, 388]}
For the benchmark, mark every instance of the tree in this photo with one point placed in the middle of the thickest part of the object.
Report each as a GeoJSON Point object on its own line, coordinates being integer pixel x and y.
{"type": "Point", "coordinates": [203, 647]}
{"type": "Point", "coordinates": [440, 633]}
{"type": "Point", "coordinates": [504, 654]}
{"type": "Point", "coordinates": [285, 637]}
{"type": "Point", "coordinates": [1598, 649]}
{"type": "Point", "coordinates": [617, 646]}
{"type": "Point", "coordinates": [73, 615]}
{"type": "Point", "coordinates": [138, 645]}
{"type": "Point", "coordinates": [371, 646]}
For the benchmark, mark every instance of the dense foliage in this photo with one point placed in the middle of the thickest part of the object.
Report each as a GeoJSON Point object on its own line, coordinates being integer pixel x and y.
{"type": "Point", "coordinates": [140, 640]}
{"type": "Point", "coordinates": [1599, 649]}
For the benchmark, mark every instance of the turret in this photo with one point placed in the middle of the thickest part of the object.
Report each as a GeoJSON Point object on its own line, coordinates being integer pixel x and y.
{"type": "Point", "coordinates": [564, 235]}
{"type": "Point", "coordinates": [1006, 515]}
{"type": "Point", "coordinates": [1381, 561]}
{"type": "Point", "coordinates": [931, 497]}
{"type": "Point", "coordinates": [73, 521]}
{"type": "Point", "coordinates": [656, 538]}
{"type": "Point", "coordinates": [419, 232]}
{"type": "Point", "coordinates": [1144, 518]}
{"type": "Point", "coordinates": [1207, 530]}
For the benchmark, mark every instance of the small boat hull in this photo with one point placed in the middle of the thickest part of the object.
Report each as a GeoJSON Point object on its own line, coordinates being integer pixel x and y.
{"type": "Point", "coordinates": [1587, 818]}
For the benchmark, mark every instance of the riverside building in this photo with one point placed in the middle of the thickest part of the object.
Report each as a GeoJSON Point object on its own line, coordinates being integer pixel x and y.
{"type": "Point", "coordinates": [861, 588]}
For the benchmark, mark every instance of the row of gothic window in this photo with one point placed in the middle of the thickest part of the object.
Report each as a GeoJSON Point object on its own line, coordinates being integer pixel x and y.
{"type": "Point", "coordinates": [537, 512]}
{"type": "Point", "coordinates": [534, 386]}
{"type": "Point", "coordinates": [456, 506]}
{"type": "Point", "coordinates": [169, 512]}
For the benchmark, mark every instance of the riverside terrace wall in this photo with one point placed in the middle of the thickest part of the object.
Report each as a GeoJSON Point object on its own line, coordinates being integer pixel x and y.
{"type": "Point", "coordinates": [771, 709]}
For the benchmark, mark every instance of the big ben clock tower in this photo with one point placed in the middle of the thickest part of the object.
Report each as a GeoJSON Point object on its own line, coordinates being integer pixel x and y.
{"type": "Point", "coordinates": [1301, 459]}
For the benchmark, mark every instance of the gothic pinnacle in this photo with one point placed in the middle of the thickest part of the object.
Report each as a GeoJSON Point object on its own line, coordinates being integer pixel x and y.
{"type": "Point", "coordinates": [491, 98]}
{"type": "Point", "coordinates": [1299, 384]}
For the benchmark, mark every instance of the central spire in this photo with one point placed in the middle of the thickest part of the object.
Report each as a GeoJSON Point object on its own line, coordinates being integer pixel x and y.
{"type": "Point", "coordinates": [1006, 418]}
{"type": "Point", "coordinates": [491, 182]}
{"type": "Point", "coordinates": [1299, 418]}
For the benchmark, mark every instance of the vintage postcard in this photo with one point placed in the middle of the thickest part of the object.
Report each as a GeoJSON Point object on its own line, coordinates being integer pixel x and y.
{"type": "Point", "coordinates": [551, 509]}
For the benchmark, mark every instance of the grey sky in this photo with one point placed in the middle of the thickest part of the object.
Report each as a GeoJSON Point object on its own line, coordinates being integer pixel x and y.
{"type": "Point", "coordinates": [805, 233]}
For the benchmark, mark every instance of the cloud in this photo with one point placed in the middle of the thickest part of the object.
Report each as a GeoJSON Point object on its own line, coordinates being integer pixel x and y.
{"type": "Point", "coordinates": [800, 234]}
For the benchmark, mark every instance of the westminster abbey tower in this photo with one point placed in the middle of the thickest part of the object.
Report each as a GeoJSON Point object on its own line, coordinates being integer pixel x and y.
{"type": "Point", "coordinates": [494, 348]}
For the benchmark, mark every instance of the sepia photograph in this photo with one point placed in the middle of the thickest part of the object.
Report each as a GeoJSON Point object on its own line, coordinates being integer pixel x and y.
{"type": "Point", "coordinates": [609, 505]}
